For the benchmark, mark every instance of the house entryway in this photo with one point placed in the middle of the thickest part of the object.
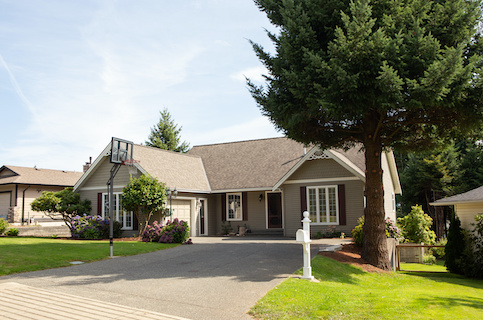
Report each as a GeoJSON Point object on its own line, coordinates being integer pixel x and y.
{"type": "Point", "coordinates": [193, 211]}
{"type": "Point", "coordinates": [274, 210]}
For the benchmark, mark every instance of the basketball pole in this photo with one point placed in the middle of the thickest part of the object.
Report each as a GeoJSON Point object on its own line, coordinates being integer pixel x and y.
{"type": "Point", "coordinates": [110, 191]}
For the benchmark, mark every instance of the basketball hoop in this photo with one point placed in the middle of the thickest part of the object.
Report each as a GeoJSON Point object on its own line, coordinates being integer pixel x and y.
{"type": "Point", "coordinates": [130, 166]}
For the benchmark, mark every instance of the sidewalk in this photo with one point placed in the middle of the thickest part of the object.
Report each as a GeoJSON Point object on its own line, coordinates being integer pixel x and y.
{"type": "Point", "coordinates": [20, 302]}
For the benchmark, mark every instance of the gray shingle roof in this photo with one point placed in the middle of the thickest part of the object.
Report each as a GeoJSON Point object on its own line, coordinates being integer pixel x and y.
{"type": "Point", "coordinates": [36, 176]}
{"type": "Point", "coordinates": [475, 195]}
{"type": "Point", "coordinates": [176, 170]}
{"type": "Point", "coordinates": [248, 164]}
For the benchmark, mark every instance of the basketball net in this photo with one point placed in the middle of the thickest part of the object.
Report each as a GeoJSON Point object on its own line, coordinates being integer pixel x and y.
{"type": "Point", "coordinates": [130, 165]}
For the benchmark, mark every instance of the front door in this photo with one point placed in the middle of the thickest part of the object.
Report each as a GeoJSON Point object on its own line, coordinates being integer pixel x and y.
{"type": "Point", "coordinates": [202, 217]}
{"type": "Point", "coordinates": [274, 210]}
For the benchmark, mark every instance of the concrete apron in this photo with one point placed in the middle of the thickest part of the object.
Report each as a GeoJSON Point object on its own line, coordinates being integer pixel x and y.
{"type": "Point", "coordinates": [216, 278]}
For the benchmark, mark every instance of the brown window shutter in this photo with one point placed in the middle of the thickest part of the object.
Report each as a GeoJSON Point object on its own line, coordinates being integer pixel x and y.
{"type": "Point", "coordinates": [99, 203]}
{"type": "Point", "coordinates": [223, 207]}
{"type": "Point", "coordinates": [342, 209]}
{"type": "Point", "coordinates": [245, 206]}
{"type": "Point", "coordinates": [303, 201]}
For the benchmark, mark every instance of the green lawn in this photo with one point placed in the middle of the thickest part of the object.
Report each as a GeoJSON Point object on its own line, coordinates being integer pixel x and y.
{"type": "Point", "coordinates": [22, 254]}
{"type": "Point", "coordinates": [347, 292]}
{"type": "Point", "coordinates": [437, 267]}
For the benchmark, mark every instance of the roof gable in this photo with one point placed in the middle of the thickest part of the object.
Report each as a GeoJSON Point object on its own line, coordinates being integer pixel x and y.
{"type": "Point", "coordinates": [176, 170]}
{"type": "Point", "coordinates": [338, 156]}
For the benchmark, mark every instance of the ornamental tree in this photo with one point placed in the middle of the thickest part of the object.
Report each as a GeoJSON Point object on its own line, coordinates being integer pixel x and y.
{"type": "Point", "coordinates": [376, 74]}
{"type": "Point", "coordinates": [144, 196]}
{"type": "Point", "coordinates": [165, 135]}
{"type": "Point", "coordinates": [64, 204]}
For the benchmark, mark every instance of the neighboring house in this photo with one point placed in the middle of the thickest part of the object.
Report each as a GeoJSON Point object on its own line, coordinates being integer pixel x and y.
{"type": "Point", "coordinates": [19, 186]}
{"type": "Point", "coordinates": [264, 185]}
{"type": "Point", "coordinates": [466, 206]}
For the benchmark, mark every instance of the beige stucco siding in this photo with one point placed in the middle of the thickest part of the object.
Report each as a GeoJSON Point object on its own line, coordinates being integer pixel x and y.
{"type": "Point", "coordinates": [466, 212]}
{"type": "Point", "coordinates": [316, 169]}
{"type": "Point", "coordinates": [389, 205]}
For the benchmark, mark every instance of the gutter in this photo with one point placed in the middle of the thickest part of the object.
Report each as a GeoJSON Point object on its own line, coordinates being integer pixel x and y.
{"type": "Point", "coordinates": [23, 204]}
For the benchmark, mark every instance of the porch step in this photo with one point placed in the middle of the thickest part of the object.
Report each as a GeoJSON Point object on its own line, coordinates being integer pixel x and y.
{"type": "Point", "coordinates": [267, 232]}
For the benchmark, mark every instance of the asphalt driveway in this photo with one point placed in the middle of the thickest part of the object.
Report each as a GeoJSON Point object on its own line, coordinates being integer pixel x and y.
{"type": "Point", "coordinates": [215, 278]}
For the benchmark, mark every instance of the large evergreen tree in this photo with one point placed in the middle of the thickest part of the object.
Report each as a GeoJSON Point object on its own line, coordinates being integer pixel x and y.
{"type": "Point", "coordinates": [380, 73]}
{"type": "Point", "coordinates": [165, 135]}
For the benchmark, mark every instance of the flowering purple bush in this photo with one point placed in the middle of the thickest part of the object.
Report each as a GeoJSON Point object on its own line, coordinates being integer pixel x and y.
{"type": "Point", "coordinates": [93, 227]}
{"type": "Point", "coordinates": [176, 231]}
{"type": "Point", "coordinates": [152, 232]}
{"type": "Point", "coordinates": [392, 231]}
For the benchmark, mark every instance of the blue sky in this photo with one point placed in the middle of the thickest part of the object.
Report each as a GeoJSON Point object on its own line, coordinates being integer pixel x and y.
{"type": "Point", "coordinates": [74, 73]}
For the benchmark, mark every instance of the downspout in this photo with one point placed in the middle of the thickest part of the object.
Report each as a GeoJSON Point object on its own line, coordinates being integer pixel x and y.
{"type": "Point", "coordinates": [23, 204]}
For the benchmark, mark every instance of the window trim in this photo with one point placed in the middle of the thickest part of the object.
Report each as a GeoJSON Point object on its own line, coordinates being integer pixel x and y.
{"type": "Point", "coordinates": [240, 194]}
{"type": "Point", "coordinates": [105, 211]}
{"type": "Point", "coordinates": [337, 210]}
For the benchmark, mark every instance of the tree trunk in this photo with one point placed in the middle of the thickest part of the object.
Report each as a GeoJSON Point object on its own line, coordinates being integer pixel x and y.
{"type": "Point", "coordinates": [374, 246]}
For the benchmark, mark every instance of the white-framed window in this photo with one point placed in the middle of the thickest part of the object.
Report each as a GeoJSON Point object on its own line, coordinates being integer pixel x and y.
{"type": "Point", "coordinates": [124, 217]}
{"type": "Point", "coordinates": [393, 202]}
{"type": "Point", "coordinates": [234, 207]}
{"type": "Point", "coordinates": [323, 205]}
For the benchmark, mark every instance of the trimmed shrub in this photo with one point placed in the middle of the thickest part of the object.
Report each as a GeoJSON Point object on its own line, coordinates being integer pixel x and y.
{"type": "Point", "coordinates": [416, 226]}
{"type": "Point", "coordinates": [455, 247]}
{"type": "Point", "coordinates": [12, 232]}
{"type": "Point", "coordinates": [93, 227]}
{"type": "Point", "coordinates": [3, 226]}
{"type": "Point", "coordinates": [439, 252]}
{"type": "Point", "coordinates": [357, 233]}
{"type": "Point", "coordinates": [429, 259]}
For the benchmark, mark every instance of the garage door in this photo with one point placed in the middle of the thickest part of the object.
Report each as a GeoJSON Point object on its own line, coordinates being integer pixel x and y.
{"type": "Point", "coordinates": [182, 210]}
{"type": "Point", "coordinates": [4, 204]}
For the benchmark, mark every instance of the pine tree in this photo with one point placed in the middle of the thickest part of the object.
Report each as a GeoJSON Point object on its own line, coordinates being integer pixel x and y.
{"type": "Point", "coordinates": [380, 74]}
{"type": "Point", "coordinates": [455, 247]}
{"type": "Point", "coordinates": [165, 135]}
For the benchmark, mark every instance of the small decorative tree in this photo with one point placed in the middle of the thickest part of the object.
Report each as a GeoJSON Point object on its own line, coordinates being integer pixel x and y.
{"type": "Point", "coordinates": [144, 196]}
{"type": "Point", "coordinates": [416, 226]}
{"type": "Point", "coordinates": [65, 203]}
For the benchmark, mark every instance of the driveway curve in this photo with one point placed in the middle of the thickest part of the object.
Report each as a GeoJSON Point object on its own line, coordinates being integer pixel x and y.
{"type": "Point", "coordinates": [215, 278]}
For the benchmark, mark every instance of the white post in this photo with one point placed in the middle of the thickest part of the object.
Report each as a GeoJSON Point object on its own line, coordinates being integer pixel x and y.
{"type": "Point", "coordinates": [307, 270]}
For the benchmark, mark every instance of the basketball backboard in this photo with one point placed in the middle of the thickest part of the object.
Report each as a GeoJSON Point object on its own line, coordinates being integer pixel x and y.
{"type": "Point", "coordinates": [121, 150]}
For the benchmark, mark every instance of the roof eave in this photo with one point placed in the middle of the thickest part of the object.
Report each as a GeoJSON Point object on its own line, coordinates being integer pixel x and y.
{"type": "Point", "coordinates": [391, 161]}
{"type": "Point", "coordinates": [452, 203]}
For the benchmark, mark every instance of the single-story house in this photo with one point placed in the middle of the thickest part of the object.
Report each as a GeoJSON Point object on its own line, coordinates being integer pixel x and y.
{"type": "Point", "coordinates": [19, 186]}
{"type": "Point", "coordinates": [466, 206]}
{"type": "Point", "coordinates": [263, 185]}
